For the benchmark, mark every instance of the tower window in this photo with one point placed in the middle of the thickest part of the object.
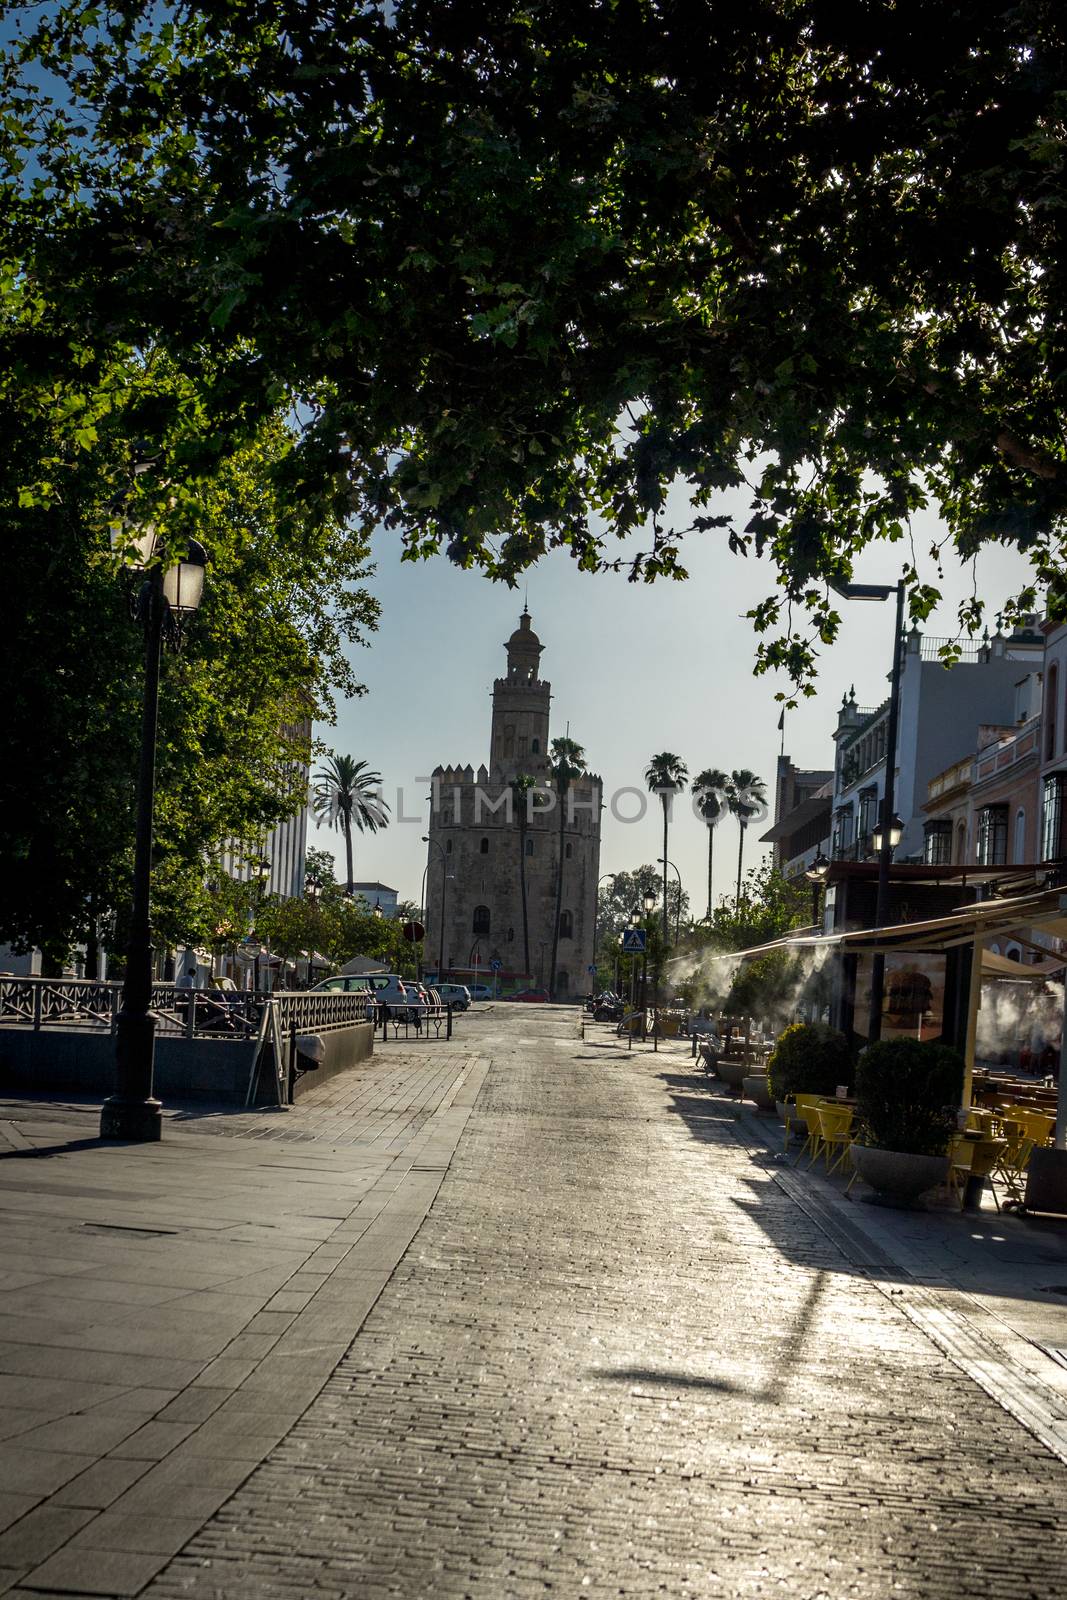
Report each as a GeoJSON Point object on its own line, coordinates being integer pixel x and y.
{"type": "Point", "coordinates": [511, 936]}
{"type": "Point", "coordinates": [535, 747]}
{"type": "Point", "coordinates": [484, 847]}
{"type": "Point", "coordinates": [448, 847]}
{"type": "Point", "coordinates": [480, 924]}
{"type": "Point", "coordinates": [568, 852]}
{"type": "Point", "coordinates": [529, 847]}
{"type": "Point", "coordinates": [566, 925]}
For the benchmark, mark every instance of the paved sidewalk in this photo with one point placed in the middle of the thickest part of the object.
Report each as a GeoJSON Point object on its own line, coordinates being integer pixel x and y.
{"type": "Point", "coordinates": [170, 1310]}
{"type": "Point", "coordinates": [616, 1348]}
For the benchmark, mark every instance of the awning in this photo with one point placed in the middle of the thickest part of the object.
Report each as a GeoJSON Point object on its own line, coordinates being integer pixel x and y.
{"type": "Point", "coordinates": [799, 817]}
{"type": "Point", "coordinates": [997, 966]}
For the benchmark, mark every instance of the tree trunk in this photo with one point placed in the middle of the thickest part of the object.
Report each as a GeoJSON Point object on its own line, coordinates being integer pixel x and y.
{"type": "Point", "coordinates": [711, 857]}
{"type": "Point", "coordinates": [522, 885]}
{"type": "Point", "coordinates": [559, 899]}
{"type": "Point", "coordinates": [666, 918]}
{"type": "Point", "coordinates": [740, 854]}
{"type": "Point", "coordinates": [348, 850]}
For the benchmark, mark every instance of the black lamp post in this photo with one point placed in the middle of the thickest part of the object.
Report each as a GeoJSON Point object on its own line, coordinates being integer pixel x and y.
{"type": "Point", "coordinates": [648, 900]}
{"type": "Point", "coordinates": [816, 876]}
{"type": "Point", "coordinates": [168, 596]}
{"type": "Point", "coordinates": [884, 835]}
{"type": "Point", "coordinates": [435, 844]}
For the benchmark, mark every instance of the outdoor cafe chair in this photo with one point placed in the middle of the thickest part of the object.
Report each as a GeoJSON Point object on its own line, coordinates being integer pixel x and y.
{"type": "Point", "coordinates": [808, 1111]}
{"type": "Point", "coordinates": [973, 1158]}
{"type": "Point", "coordinates": [835, 1133]}
{"type": "Point", "coordinates": [1013, 1161]}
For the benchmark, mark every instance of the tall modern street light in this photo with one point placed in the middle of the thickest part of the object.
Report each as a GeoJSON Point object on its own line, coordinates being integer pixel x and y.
{"type": "Point", "coordinates": [434, 844]}
{"type": "Point", "coordinates": [678, 907]}
{"type": "Point", "coordinates": [169, 594]}
{"type": "Point", "coordinates": [887, 815]}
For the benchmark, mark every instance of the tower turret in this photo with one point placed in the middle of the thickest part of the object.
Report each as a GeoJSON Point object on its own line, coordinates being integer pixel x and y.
{"type": "Point", "coordinates": [520, 708]}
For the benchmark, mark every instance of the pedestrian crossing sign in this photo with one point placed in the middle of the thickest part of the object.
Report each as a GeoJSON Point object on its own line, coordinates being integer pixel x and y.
{"type": "Point", "coordinates": [633, 941]}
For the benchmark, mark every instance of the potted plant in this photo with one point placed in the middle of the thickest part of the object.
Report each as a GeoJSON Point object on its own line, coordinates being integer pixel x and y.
{"type": "Point", "coordinates": [809, 1058]}
{"type": "Point", "coordinates": [907, 1097]}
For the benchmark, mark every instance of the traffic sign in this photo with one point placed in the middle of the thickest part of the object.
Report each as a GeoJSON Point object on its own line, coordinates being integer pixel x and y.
{"type": "Point", "coordinates": [591, 967]}
{"type": "Point", "coordinates": [413, 932]}
{"type": "Point", "coordinates": [496, 964]}
{"type": "Point", "coordinates": [633, 941]}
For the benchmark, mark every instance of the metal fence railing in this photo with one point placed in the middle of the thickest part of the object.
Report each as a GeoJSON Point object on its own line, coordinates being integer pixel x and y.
{"type": "Point", "coordinates": [415, 1022]}
{"type": "Point", "coordinates": [192, 1013]}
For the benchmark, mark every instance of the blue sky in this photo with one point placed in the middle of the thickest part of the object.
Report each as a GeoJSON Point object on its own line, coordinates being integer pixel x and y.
{"type": "Point", "coordinates": [635, 668]}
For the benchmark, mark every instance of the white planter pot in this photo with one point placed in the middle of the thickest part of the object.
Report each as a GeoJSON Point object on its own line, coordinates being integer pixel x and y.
{"type": "Point", "coordinates": [897, 1174]}
{"type": "Point", "coordinates": [754, 1087]}
{"type": "Point", "coordinates": [733, 1072]}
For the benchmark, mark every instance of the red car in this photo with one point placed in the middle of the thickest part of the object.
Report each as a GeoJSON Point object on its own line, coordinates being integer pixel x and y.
{"type": "Point", "coordinates": [529, 994]}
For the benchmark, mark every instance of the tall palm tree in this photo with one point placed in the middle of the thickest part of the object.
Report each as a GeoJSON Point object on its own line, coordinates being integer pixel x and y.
{"type": "Point", "coordinates": [567, 760]}
{"type": "Point", "coordinates": [346, 794]}
{"type": "Point", "coordinates": [520, 790]}
{"type": "Point", "coordinates": [666, 775]}
{"type": "Point", "coordinates": [746, 794]}
{"type": "Point", "coordinates": [711, 789]}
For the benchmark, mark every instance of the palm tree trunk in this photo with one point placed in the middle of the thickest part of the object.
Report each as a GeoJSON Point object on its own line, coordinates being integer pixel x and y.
{"type": "Point", "coordinates": [559, 901]}
{"type": "Point", "coordinates": [740, 854]}
{"type": "Point", "coordinates": [711, 857]}
{"type": "Point", "coordinates": [522, 885]}
{"type": "Point", "coordinates": [348, 850]}
{"type": "Point", "coordinates": [666, 919]}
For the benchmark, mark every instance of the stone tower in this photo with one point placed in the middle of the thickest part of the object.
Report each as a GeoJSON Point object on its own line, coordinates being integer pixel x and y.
{"type": "Point", "coordinates": [477, 844]}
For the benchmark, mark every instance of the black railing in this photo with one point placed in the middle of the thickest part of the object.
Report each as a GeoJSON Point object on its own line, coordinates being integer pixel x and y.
{"type": "Point", "coordinates": [415, 1022]}
{"type": "Point", "coordinates": [192, 1013]}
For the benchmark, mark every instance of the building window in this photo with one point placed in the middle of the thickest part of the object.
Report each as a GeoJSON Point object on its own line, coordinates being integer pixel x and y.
{"type": "Point", "coordinates": [568, 852]}
{"type": "Point", "coordinates": [511, 936]}
{"type": "Point", "coordinates": [868, 802]}
{"type": "Point", "coordinates": [535, 747]}
{"type": "Point", "coordinates": [529, 847]}
{"type": "Point", "coordinates": [448, 847]}
{"type": "Point", "coordinates": [1052, 817]}
{"type": "Point", "coordinates": [566, 925]}
{"type": "Point", "coordinates": [1051, 697]}
{"type": "Point", "coordinates": [480, 925]}
{"type": "Point", "coordinates": [1019, 847]}
{"type": "Point", "coordinates": [993, 836]}
{"type": "Point", "coordinates": [562, 981]}
{"type": "Point", "coordinates": [937, 844]}
{"type": "Point", "coordinates": [484, 847]}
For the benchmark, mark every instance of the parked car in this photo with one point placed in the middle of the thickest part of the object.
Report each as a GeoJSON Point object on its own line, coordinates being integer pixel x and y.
{"type": "Point", "coordinates": [344, 983]}
{"type": "Point", "coordinates": [456, 995]}
{"type": "Point", "coordinates": [479, 991]}
{"type": "Point", "coordinates": [530, 994]}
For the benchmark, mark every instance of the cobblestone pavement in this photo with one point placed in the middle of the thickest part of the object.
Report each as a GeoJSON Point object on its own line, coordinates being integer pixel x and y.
{"type": "Point", "coordinates": [619, 1359]}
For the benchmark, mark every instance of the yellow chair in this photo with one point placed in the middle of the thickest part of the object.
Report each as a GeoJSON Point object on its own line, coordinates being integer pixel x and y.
{"type": "Point", "coordinates": [808, 1111]}
{"type": "Point", "coordinates": [835, 1133]}
{"type": "Point", "coordinates": [1013, 1161]}
{"type": "Point", "coordinates": [973, 1158]}
{"type": "Point", "coordinates": [1037, 1125]}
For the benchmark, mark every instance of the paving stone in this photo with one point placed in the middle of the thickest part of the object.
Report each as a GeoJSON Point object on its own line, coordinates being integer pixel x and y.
{"type": "Point", "coordinates": [101, 1483]}
{"type": "Point", "coordinates": [83, 1571]}
{"type": "Point", "coordinates": [39, 1533]}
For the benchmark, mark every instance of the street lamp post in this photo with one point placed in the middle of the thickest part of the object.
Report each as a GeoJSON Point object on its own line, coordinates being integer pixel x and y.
{"type": "Point", "coordinates": [887, 815]}
{"type": "Point", "coordinates": [678, 907]}
{"type": "Point", "coordinates": [649, 902]}
{"type": "Point", "coordinates": [596, 911]}
{"type": "Point", "coordinates": [816, 876]}
{"type": "Point", "coordinates": [168, 596]}
{"type": "Point", "coordinates": [435, 845]}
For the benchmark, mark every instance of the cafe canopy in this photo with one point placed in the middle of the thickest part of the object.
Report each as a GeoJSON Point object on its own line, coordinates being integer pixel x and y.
{"type": "Point", "coordinates": [977, 926]}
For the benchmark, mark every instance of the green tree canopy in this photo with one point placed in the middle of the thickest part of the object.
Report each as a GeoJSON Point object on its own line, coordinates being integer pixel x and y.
{"type": "Point", "coordinates": [265, 653]}
{"type": "Point", "coordinates": [530, 267]}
